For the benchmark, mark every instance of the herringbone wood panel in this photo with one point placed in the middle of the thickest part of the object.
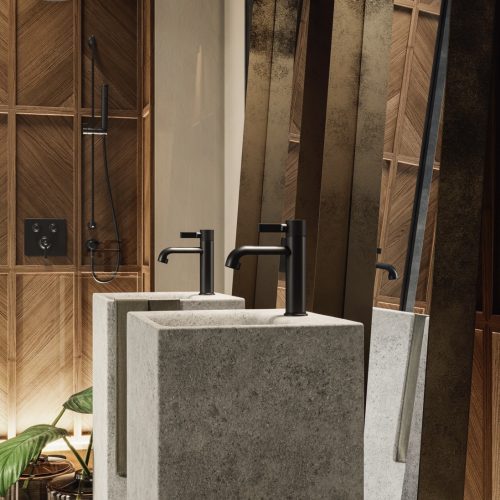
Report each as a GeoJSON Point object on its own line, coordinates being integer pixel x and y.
{"type": "Point", "coordinates": [4, 37]}
{"type": "Point", "coordinates": [4, 387]}
{"type": "Point", "coordinates": [122, 145]}
{"type": "Point", "coordinates": [3, 190]}
{"type": "Point", "coordinates": [474, 487]}
{"type": "Point", "coordinates": [418, 90]}
{"type": "Point", "coordinates": [114, 24]}
{"type": "Point", "coordinates": [44, 347]}
{"type": "Point", "coordinates": [44, 178]}
{"type": "Point", "coordinates": [44, 53]}
{"type": "Point", "coordinates": [399, 47]}
{"type": "Point", "coordinates": [400, 211]}
{"type": "Point", "coordinates": [88, 288]}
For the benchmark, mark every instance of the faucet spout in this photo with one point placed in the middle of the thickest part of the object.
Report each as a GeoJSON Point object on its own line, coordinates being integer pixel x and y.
{"type": "Point", "coordinates": [206, 253]}
{"type": "Point", "coordinates": [163, 257]}
{"type": "Point", "coordinates": [294, 251]}
{"type": "Point", "coordinates": [233, 259]}
{"type": "Point", "coordinates": [393, 273]}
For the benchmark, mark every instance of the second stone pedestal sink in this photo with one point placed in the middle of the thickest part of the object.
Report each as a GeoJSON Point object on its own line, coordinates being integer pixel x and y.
{"type": "Point", "coordinates": [244, 404]}
{"type": "Point", "coordinates": [110, 375]}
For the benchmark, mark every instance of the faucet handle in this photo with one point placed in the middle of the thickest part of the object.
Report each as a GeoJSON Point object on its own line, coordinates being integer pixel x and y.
{"type": "Point", "coordinates": [188, 234]}
{"type": "Point", "coordinates": [273, 228]}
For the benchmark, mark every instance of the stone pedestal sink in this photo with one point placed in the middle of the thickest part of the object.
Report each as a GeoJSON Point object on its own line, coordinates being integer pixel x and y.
{"type": "Point", "coordinates": [110, 380]}
{"type": "Point", "coordinates": [394, 404]}
{"type": "Point", "coordinates": [244, 404]}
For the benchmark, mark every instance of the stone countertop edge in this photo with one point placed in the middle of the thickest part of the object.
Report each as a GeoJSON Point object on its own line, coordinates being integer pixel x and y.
{"type": "Point", "coordinates": [168, 296]}
{"type": "Point", "coordinates": [152, 319]}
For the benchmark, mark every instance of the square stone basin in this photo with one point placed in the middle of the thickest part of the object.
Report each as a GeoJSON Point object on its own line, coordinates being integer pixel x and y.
{"type": "Point", "coordinates": [110, 375]}
{"type": "Point", "coordinates": [244, 404]}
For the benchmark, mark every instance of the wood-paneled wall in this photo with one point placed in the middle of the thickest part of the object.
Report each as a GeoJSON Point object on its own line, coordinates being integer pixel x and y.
{"type": "Point", "coordinates": [414, 31]}
{"type": "Point", "coordinates": [46, 304]}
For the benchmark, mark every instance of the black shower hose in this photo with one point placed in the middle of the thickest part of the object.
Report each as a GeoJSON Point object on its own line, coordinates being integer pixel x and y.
{"type": "Point", "coordinates": [115, 222]}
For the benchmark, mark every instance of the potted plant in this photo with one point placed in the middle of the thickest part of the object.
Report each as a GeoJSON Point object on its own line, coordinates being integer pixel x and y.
{"type": "Point", "coordinates": [19, 454]}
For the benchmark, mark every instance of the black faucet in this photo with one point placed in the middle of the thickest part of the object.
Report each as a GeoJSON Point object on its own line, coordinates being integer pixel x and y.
{"type": "Point", "coordinates": [393, 274]}
{"type": "Point", "coordinates": [294, 250]}
{"type": "Point", "coordinates": [206, 251]}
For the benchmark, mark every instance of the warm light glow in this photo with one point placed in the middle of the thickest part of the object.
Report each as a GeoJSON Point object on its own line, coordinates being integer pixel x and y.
{"type": "Point", "coordinates": [79, 443]}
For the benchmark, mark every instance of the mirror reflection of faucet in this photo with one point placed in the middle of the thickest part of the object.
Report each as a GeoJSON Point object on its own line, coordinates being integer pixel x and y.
{"type": "Point", "coordinates": [391, 270]}
{"type": "Point", "coordinates": [206, 253]}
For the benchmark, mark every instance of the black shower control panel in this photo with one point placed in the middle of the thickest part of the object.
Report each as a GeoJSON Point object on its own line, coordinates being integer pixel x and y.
{"type": "Point", "coordinates": [45, 238]}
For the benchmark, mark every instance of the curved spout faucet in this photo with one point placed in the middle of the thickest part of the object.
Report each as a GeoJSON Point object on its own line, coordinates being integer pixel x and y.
{"type": "Point", "coordinates": [393, 273]}
{"type": "Point", "coordinates": [206, 252]}
{"type": "Point", "coordinates": [294, 251]}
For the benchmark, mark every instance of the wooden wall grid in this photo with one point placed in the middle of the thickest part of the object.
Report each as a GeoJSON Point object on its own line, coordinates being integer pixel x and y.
{"type": "Point", "coordinates": [414, 32]}
{"type": "Point", "coordinates": [45, 305]}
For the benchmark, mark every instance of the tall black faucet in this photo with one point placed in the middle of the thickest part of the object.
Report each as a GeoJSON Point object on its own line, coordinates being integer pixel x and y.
{"type": "Point", "coordinates": [206, 251]}
{"type": "Point", "coordinates": [294, 250]}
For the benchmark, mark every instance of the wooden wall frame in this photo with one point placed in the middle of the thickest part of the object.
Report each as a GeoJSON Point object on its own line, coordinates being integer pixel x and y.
{"type": "Point", "coordinates": [42, 107]}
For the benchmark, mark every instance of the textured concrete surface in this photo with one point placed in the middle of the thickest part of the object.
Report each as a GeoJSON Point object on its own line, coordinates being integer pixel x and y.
{"type": "Point", "coordinates": [109, 358]}
{"type": "Point", "coordinates": [390, 379]}
{"type": "Point", "coordinates": [465, 152]}
{"type": "Point", "coordinates": [244, 404]}
{"type": "Point", "coordinates": [410, 485]}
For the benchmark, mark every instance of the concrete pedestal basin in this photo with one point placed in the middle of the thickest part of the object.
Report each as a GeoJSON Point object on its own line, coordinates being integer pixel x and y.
{"type": "Point", "coordinates": [244, 404]}
{"type": "Point", "coordinates": [110, 379]}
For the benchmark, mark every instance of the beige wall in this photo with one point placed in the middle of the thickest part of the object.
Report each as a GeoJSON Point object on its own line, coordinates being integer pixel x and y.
{"type": "Point", "coordinates": [199, 107]}
{"type": "Point", "coordinates": [234, 116]}
{"type": "Point", "coordinates": [189, 133]}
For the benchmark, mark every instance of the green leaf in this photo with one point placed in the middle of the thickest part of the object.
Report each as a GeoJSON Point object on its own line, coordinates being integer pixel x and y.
{"type": "Point", "coordinates": [17, 453]}
{"type": "Point", "coordinates": [81, 402]}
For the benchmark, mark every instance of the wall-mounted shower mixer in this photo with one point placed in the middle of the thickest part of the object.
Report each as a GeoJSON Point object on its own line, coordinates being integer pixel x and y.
{"type": "Point", "coordinates": [45, 238]}
{"type": "Point", "coordinates": [101, 129]}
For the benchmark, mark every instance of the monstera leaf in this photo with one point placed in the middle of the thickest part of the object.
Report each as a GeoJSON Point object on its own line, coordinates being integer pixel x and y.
{"type": "Point", "coordinates": [80, 402]}
{"type": "Point", "coordinates": [17, 453]}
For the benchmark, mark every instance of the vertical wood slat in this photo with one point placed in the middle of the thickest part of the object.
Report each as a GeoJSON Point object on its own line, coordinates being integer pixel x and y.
{"type": "Point", "coordinates": [495, 417]}
{"type": "Point", "coordinates": [11, 214]}
{"type": "Point", "coordinates": [312, 129]}
{"type": "Point", "coordinates": [338, 158]}
{"type": "Point", "coordinates": [4, 51]}
{"type": "Point", "coordinates": [77, 196]}
{"type": "Point", "coordinates": [449, 364]}
{"type": "Point", "coordinates": [367, 169]}
{"type": "Point", "coordinates": [474, 481]}
{"type": "Point", "coordinates": [4, 388]}
{"type": "Point", "coordinates": [276, 151]}
{"type": "Point", "coordinates": [254, 144]}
